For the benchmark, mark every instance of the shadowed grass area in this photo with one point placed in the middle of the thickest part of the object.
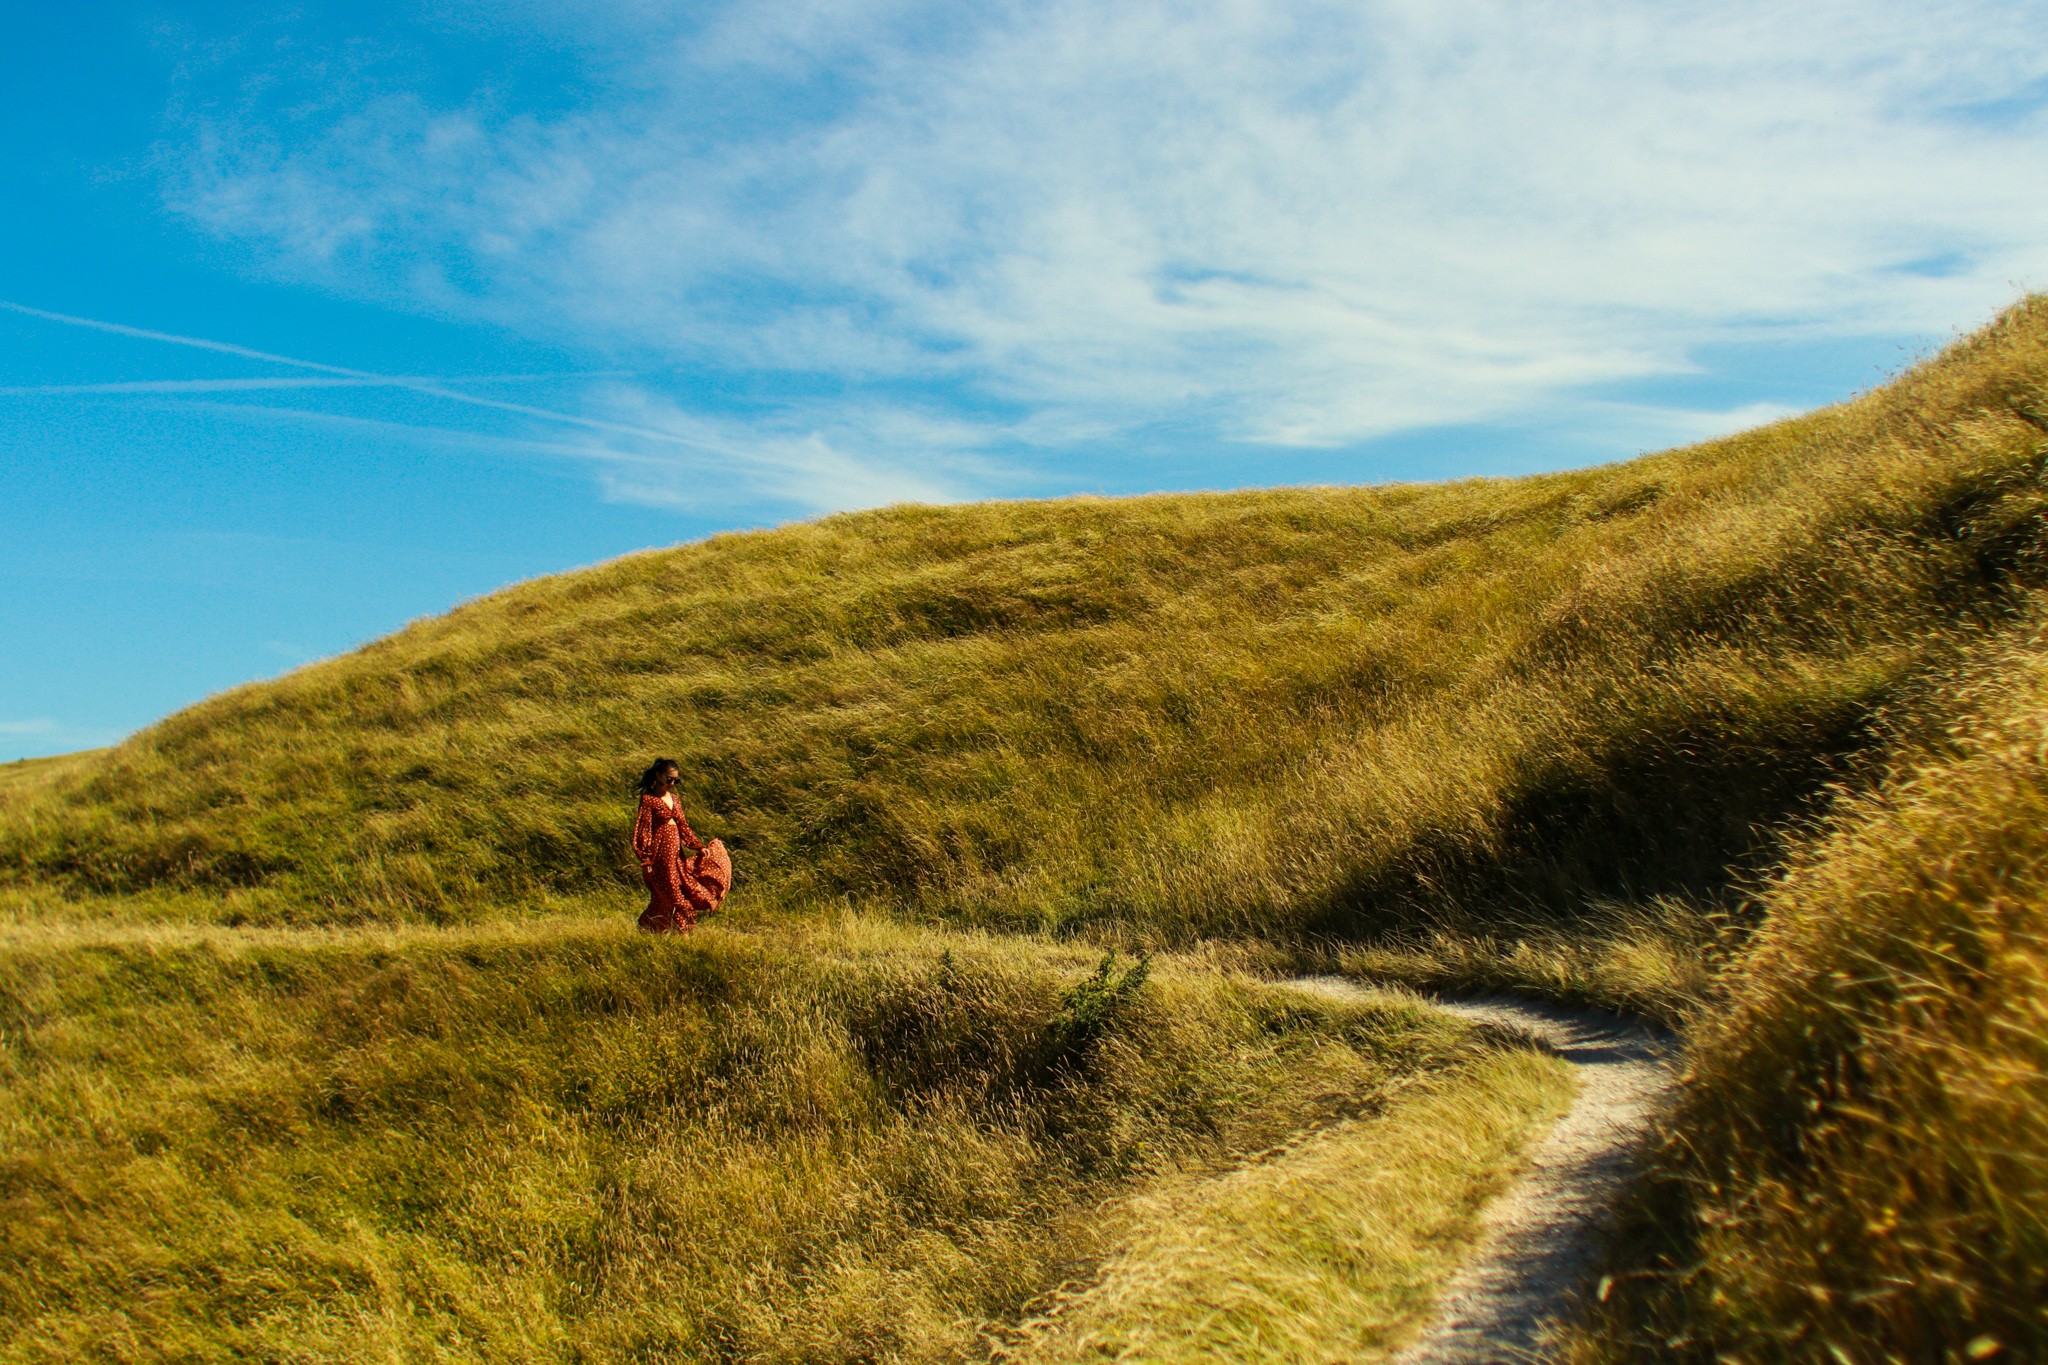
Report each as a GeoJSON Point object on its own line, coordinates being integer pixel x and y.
{"type": "Point", "coordinates": [1859, 1168]}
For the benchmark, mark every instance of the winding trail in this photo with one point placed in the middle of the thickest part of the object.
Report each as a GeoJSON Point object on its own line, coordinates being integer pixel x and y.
{"type": "Point", "coordinates": [1538, 1240]}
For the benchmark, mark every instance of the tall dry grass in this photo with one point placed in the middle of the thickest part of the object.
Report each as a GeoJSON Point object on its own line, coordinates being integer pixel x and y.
{"type": "Point", "coordinates": [1334, 1250]}
{"type": "Point", "coordinates": [566, 1142]}
{"type": "Point", "coordinates": [1317, 710]}
{"type": "Point", "coordinates": [1858, 1170]}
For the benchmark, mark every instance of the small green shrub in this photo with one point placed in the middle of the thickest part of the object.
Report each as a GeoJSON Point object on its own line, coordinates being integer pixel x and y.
{"type": "Point", "coordinates": [1088, 1010]}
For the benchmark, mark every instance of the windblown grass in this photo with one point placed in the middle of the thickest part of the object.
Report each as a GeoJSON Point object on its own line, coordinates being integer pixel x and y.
{"type": "Point", "coordinates": [572, 1142]}
{"type": "Point", "coordinates": [1334, 1250]}
{"type": "Point", "coordinates": [1859, 1168]}
{"type": "Point", "coordinates": [1657, 961]}
{"type": "Point", "coordinates": [322, 1036]}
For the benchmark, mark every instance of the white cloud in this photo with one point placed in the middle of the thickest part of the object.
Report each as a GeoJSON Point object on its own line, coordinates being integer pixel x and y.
{"type": "Point", "coordinates": [1296, 224]}
{"type": "Point", "coordinates": [1621, 429]}
{"type": "Point", "coordinates": [649, 451]}
{"type": "Point", "coordinates": [841, 461]}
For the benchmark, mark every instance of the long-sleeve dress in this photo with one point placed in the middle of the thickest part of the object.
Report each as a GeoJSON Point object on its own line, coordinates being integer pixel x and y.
{"type": "Point", "coordinates": [682, 888]}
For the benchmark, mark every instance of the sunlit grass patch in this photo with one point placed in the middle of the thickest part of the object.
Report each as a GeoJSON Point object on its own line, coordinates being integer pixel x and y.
{"type": "Point", "coordinates": [568, 1140]}
{"type": "Point", "coordinates": [1333, 1249]}
{"type": "Point", "coordinates": [1658, 961]}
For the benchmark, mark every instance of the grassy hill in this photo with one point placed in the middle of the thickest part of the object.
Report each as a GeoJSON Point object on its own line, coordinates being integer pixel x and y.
{"type": "Point", "coordinates": [1325, 708]}
{"type": "Point", "coordinates": [1681, 734]}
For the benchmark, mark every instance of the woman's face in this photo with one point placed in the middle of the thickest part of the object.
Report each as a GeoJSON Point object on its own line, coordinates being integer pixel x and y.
{"type": "Point", "coordinates": [669, 779]}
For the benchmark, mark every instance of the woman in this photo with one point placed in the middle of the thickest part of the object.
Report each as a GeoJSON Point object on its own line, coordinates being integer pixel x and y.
{"type": "Point", "coordinates": [683, 888]}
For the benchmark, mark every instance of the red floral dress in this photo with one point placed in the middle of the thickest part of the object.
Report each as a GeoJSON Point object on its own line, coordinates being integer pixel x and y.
{"type": "Point", "coordinates": [682, 888]}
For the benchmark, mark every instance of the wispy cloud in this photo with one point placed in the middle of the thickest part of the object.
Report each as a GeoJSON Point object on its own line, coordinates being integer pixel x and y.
{"type": "Point", "coordinates": [646, 448]}
{"type": "Point", "coordinates": [433, 388]}
{"type": "Point", "coordinates": [832, 461]}
{"type": "Point", "coordinates": [665, 457]}
{"type": "Point", "coordinates": [1299, 224]}
{"type": "Point", "coordinates": [194, 343]}
{"type": "Point", "coordinates": [1626, 428]}
{"type": "Point", "coordinates": [41, 725]}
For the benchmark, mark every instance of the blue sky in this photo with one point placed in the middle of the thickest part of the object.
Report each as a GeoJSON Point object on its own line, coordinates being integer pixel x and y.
{"type": "Point", "coordinates": [322, 317]}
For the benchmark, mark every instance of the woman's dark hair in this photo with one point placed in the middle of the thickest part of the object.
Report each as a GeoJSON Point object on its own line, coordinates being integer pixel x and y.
{"type": "Point", "coordinates": [655, 770]}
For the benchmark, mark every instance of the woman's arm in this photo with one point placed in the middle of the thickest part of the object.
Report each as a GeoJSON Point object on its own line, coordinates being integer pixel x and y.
{"type": "Point", "coordinates": [643, 833]}
{"type": "Point", "coordinates": [689, 835]}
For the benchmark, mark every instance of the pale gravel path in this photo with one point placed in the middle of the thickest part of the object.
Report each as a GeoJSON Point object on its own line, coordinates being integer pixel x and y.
{"type": "Point", "coordinates": [1537, 1241]}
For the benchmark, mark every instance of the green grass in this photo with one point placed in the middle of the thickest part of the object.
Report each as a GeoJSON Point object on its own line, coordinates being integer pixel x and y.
{"type": "Point", "coordinates": [323, 1036]}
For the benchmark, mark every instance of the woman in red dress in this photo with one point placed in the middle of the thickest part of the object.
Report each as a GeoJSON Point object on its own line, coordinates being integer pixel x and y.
{"type": "Point", "coordinates": [682, 888]}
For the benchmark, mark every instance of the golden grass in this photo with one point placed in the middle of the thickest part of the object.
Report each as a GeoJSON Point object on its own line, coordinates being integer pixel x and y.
{"type": "Point", "coordinates": [1858, 1171]}
{"type": "Point", "coordinates": [565, 1141]}
{"type": "Point", "coordinates": [1332, 1250]}
{"type": "Point", "coordinates": [1657, 960]}
{"type": "Point", "coordinates": [322, 1037]}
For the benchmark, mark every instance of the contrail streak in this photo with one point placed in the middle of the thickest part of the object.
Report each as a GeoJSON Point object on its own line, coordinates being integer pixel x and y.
{"type": "Point", "coordinates": [198, 343]}
{"type": "Point", "coordinates": [427, 387]}
{"type": "Point", "coordinates": [257, 385]}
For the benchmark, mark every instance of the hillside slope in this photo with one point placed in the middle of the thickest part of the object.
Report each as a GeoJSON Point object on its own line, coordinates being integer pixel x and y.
{"type": "Point", "coordinates": [568, 1142]}
{"type": "Point", "coordinates": [1747, 736]}
{"type": "Point", "coordinates": [1307, 709]}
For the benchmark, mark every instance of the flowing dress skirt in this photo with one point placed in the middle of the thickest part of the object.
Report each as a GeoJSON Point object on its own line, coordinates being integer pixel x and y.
{"type": "Point", "coordinates": [683, 888]}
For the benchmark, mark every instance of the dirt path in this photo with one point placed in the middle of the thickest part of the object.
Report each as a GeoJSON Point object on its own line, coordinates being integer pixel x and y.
{"type": "Point", "coordinates": [1537, 1241]}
